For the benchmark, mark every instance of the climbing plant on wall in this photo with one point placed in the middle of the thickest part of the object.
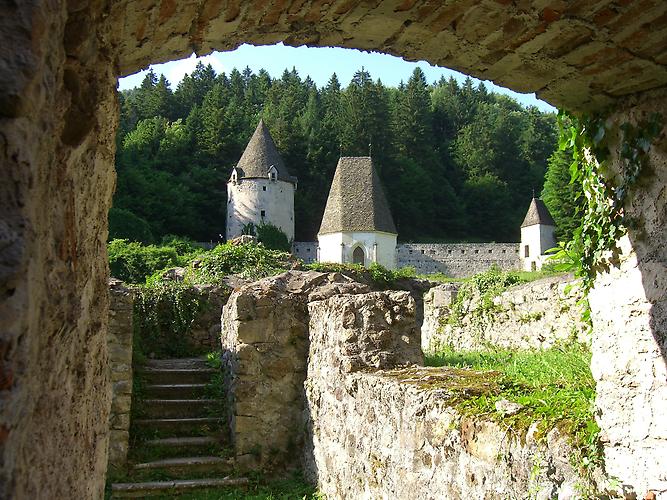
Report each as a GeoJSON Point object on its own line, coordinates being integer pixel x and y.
{"type": "Point", "coordinates": [594, 245]}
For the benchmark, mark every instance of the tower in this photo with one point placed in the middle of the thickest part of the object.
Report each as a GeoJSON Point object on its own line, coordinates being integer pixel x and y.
{"type": "Point", "coordinates": [357, 226]}
{"type": "Point", "coordinates": [537, 235]}
{"type": "Point", "coordinates": [260, 188]}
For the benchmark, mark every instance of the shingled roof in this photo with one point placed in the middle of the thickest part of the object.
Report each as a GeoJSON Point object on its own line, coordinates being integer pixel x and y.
{"type": "Point", "coordinates": [356, 200]}
{"type": "Point", "coordinates": [260, 155]}
{"type": "Point", "coordinates": [538, 213]}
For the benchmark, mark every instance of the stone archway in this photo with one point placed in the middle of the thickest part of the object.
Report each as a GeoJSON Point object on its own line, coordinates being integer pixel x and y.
{"type": "Point", "coordinates": [58, 113]}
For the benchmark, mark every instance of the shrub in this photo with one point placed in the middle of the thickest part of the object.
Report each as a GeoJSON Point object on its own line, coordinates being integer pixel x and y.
{"type": "Point", "coordinates": [133, 262]}
{"type": "Point", "coordinates": [250, 261]}
{"type": "Point", "coordinates": [273, 238]}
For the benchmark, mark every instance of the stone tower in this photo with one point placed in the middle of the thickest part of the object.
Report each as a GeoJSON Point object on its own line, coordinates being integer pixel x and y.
{"type": "Point", "coordinates": [537, 235]}
{"type": "Point", "coordinates": [260, 189]}
{"type": "Point", "coordinates": [357, 226]}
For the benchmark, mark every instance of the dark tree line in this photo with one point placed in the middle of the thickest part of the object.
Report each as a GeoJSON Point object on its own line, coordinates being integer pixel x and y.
{"type": "Point", "coordinates": [458, 162]}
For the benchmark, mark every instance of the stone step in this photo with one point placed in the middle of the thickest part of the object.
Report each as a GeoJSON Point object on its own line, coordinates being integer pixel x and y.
{"type": "Point", "coordinates": [171, 488]}
{"type": "Point", "coordinates": [182, 426]}
{"type": "Point", "coordinates": [184, 467]}
{"type": "Point", "coordinates": [184, 442]}
{"type": "Point", "coordinates": [177, 363]}
{"type": "Point", "coordinates": [164, 376]}
{"type": "Point", "coordinates": [175, 391]}
{"type": "Point", "coordinates": [174, 408]}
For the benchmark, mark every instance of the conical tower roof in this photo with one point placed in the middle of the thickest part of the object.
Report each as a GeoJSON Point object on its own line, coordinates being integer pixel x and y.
{"type": "Point", "coordinates": [538, 213]}
{"type": "Point", "coordinates": [356, 200]}
{"type": "Point", "coordinates": [260, 155]}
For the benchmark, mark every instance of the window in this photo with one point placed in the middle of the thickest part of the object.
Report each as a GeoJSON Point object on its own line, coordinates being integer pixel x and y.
{"type": "Point", "coordinates": [262, 213]}
{"type": "Point", "coordinates": [263, 188]}
{"type": "Point", "coordinates": [422, 252]}
{"type": "Point", "coordinates": [490, 251]}
{"type": "Point", "coordinates": [526, 251]}
{"type": "Point", "coordinates": [307, 249]}
{"type": "Point", "coordinates": [476, 251]}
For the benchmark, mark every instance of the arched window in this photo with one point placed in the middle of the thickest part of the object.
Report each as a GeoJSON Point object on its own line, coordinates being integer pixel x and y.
{"type": "Point", "coordinates": [358, 256]}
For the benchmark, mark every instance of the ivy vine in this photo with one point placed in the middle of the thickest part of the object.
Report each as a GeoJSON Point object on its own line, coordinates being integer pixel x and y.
{"type": "Point", "coordinates": [594, 246]}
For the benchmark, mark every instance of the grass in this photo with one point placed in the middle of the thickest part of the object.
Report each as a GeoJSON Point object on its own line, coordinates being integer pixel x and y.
{"type": "Point", "coordinates": [555, 386]}
{"type": "Point", "coordinates": [292, 488]}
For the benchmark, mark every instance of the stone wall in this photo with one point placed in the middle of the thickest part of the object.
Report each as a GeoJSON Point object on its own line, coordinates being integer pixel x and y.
{"type": "Point", "coordinates": [533, 315]}
{"type": "Point", "coordinates": [458, 260]}
{"type": "Point", "coordinates": [120, 369]}
{"type": "Point", "coordinates": [265, 352]}
{"type": "Point", "coordinates": [380, 431]}
{"type": "Point", "coordinates": [307, 251]}
{"type": "Point", "coordinates": [629, 311]}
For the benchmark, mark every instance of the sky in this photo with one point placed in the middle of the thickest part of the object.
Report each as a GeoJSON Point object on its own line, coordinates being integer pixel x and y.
{"type": "Point", "coordinates": [318, 63]}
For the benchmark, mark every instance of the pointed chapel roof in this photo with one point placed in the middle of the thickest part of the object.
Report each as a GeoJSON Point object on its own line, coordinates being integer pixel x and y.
{"type": "Point", "coordinates": [260, 155]}
{"type": "Point", "coordinates": [538, 213]}
{"type": "Point", "coordinates": [356, 200]}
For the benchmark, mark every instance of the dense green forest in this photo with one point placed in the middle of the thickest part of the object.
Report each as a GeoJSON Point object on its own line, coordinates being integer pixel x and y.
{"type": "Point", "coordinates": [458, 162]}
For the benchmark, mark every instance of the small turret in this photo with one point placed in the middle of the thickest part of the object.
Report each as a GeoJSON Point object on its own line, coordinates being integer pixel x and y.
{"type": "Point", "coordinates": [537, 235]}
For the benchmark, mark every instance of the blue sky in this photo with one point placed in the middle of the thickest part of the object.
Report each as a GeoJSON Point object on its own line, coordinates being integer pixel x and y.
{"type": "Point", "coordinates": [319, 64]}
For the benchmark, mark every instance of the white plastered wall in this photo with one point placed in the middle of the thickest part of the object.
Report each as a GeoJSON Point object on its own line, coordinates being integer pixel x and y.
{"type": "Point", "coordinates": [538, 238]}
{"type": "Point", "coordinates": [377, 246]}
{"type": "Point", "coordinates": [248, 197]}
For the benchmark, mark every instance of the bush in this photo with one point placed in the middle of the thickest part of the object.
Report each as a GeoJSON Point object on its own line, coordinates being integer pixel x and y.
{"type": "Point", "coordinates": [133, 262]}
{"type": "Point", "coordinates": [273, 238]}
{"type": "Point", "coordinates": [250, 261]}
{"type": "Point", "coordinates": [376, 273]}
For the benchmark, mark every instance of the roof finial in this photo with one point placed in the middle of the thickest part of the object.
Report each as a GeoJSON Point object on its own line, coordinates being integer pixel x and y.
{"type": "Point", "coordinates": [370, 149]}
{"type": "Point", "coordinates": [533, 192]}
{"type": "Point", "coordinates": [340, 150]}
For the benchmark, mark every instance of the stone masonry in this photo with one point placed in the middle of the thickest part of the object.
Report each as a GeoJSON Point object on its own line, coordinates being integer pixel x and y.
{"type": "Point", "coordinates": [59, 63]}
{"type": "Point", "coordinates": [533, 315]}
{"type": "Point", "coordinates": [381, 431]}
{"type": "Point", "coordinates": [265, 351]}
{"type": "Point", "coordinates": [458, 260]}
{"type": "Point", "coordinates": [120, 368]}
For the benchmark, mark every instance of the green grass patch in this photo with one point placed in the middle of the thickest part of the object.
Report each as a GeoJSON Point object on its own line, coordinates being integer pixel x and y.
{"type": "Point", "coordinates": [375, 273]}
{"type": "Point", "coordinates": [555, 386]}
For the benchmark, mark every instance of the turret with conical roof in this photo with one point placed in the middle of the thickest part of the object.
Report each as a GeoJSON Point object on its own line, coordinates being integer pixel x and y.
{"type": "Point", "coordinates": [260, 189]}
{"type": "Point", "coordinates": [537, 235]}
{"type": "Point", "coordinates": [261, 156]}
{"type": "Point", "coordinates": [357, 226]}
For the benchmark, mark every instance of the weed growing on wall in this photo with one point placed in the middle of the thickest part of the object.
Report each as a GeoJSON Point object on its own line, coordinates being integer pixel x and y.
{"type": "Point", "coordinates": [475, 296]}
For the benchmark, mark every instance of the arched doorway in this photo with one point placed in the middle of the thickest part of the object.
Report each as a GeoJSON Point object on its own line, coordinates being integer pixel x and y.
{"type": "Point", "coordinates": [358, 256]}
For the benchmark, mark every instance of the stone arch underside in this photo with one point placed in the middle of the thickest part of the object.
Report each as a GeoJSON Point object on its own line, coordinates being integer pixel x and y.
{"type": "Point", "coordinates": [576, 55]}
{"type": "Point", "coordinates": [59, 61]}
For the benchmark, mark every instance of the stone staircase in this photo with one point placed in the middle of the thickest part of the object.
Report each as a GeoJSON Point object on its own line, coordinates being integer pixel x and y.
{"type": "Point", "coordinates": [185, 433]}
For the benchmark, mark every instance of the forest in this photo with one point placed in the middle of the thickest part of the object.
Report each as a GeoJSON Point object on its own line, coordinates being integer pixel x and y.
{"type": "Point", "coordinates": [458, 163]}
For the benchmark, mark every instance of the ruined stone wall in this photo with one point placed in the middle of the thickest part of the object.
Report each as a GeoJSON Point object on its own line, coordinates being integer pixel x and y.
{"type": "Point", "coordinates": [119, 339]}
{"type": "Point", "coordinates": [629, 311]}
{"type": "Point", "coordinates": [382, 433]}
{"type": "Point", "coordinates": [458, 260]}
{"type": "Point", "coordinates": [265, 352]}
{"type": "Point", "coordinates": [58, 115]}
{"type": "Point", "coordinates": [533, 315]}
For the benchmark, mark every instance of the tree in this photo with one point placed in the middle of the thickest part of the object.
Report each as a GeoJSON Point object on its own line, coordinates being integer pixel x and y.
{"type": "Point", "coordinates": [561, 196]}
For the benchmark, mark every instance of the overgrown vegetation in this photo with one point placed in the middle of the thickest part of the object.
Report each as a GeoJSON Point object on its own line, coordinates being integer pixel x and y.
{"type": "Point", "coordinates": [602, 195]}
{"type": "Point", "coordinates": [555, 386]}
{"type": "Point", "coordinates": [166, 306]}
{"type": "Point", "coordinates": [484, 287]}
